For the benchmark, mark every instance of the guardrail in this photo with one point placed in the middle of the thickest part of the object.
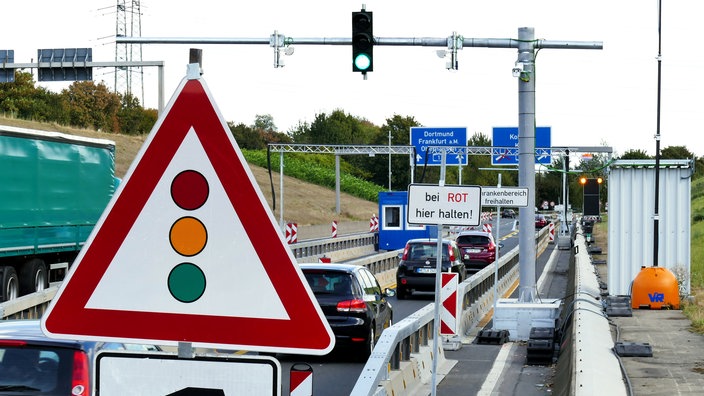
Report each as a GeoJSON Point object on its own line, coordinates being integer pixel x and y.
{"type": "Point", "coordinates": [319, 247]}
{"type": "Point", "coordinates": [596, 367]}
{"type": "Point", "coordinates": [31, 306]}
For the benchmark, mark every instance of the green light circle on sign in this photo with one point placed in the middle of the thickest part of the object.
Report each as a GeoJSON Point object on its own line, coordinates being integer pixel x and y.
{"type": "Point", "coordinates": [186, 282]}
{"type": "Point", "coordinates": [362, 62]}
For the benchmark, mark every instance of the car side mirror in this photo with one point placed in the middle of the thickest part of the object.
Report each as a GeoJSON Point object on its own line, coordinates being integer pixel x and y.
{"type": "Point", "coordinates": [501, 245]}
{"type": "Point", "coordinates": [389, 292]}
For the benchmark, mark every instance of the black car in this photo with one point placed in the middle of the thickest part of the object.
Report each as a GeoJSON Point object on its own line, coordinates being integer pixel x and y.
{"type": "Point", "coordinates": [416, 270]}
{"type": "Point", "coordinates": [353, 303]}
{"type": "Point", "coordinates": [33, 364]}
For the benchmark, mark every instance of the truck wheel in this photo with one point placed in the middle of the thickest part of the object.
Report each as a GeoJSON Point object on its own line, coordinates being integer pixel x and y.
{"type": "Point", "coordinates": [33, 277]}
{"type": "Point", "coordinates": [10, 285]}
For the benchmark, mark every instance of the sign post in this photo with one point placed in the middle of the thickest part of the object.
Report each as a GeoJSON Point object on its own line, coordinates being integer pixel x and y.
{"type": "Point", "coordinates": [441, 204]}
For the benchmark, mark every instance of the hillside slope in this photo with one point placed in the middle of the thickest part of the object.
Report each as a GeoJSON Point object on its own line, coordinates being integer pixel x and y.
{"type": "Point", "coordinates": [304, 203]}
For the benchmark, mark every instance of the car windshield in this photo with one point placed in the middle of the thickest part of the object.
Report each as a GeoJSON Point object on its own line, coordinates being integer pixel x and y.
{"type": "Point", "coordinates": [334, 283]}
{"type": "Point", "coordinates": [35, 369]}
{"type": "Point", "coordinates": [425, 251]}
{"type": "Point", "coordinates": [473, 240]}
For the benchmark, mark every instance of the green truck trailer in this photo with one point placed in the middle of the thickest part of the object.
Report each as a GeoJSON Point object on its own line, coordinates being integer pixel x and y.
{"type": "Point", "coordinates": [53, 189]}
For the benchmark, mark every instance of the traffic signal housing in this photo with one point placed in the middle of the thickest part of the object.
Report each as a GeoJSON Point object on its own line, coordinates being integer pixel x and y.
{"type": "Point", "coordinates": [362, 42]}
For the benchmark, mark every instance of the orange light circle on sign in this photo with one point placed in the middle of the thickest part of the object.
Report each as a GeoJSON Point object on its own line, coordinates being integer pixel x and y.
{"type": "Point", "coordinates": [188, 236]}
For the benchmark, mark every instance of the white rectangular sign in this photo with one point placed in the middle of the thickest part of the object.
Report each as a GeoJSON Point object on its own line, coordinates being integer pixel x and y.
{"type": "Point", "coordinates": [505, 196]}
{"type": "Point", "coordinates": [447, 205]}
{"type": "Point", "coordinates": [142, 374]}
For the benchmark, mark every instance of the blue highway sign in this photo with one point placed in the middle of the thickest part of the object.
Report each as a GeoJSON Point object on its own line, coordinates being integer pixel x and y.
{"type": "Point", "coordinates": [423, 138]}
{"type": "Point", "coordinates": [505, 146]}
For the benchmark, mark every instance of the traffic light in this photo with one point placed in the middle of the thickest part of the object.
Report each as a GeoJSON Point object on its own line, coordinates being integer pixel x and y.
{"type": "Point", "coordinates": [362, 42]}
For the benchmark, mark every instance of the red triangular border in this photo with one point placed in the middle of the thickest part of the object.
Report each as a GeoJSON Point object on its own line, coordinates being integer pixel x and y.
{"type": "Point", "coordinates": [307, 329]}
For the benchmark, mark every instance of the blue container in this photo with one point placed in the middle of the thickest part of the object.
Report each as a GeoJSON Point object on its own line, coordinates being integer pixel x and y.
{"type": "Point", "coordinates": [394, 230]}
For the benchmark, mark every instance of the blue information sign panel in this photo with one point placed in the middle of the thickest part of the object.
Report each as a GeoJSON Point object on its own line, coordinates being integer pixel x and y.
{"type": "Point", "coordinates": [423, 138]}
{"type": "Point", "coordinates": [505, 146]}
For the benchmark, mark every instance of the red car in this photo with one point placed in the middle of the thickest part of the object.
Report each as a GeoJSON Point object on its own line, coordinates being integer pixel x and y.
{"type": "Point", "coordinates": [478, 249]}
{"type": "Point", "coordinates": [540, 221]}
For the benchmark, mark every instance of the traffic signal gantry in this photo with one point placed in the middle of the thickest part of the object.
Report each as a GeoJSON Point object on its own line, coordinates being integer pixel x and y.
{"type": "Point", "coordinates": [524, 69]}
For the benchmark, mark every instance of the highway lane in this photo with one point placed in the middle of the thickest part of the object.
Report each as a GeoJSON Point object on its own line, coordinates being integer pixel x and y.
{"type": "Point", "coordinates": [336, 373]}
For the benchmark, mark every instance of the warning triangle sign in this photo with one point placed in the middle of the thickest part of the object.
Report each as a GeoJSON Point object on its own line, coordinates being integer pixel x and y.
{"type": "Point", "coordinates": [189, 251]}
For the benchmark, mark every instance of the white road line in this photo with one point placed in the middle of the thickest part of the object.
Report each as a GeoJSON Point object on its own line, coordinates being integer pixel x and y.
{"type": "Point", "coordinates": [495, 373]}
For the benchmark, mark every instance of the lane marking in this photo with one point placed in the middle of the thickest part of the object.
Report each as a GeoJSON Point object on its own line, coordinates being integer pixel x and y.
{"type": "Point", "coordinates": [495, 373]}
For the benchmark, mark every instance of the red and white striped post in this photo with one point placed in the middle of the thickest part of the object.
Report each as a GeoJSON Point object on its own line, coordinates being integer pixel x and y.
{"type": "Point", "coordinates": [374, 223]}
{"type": "Point", "coordinates": [334, 228]}
{"type": "Point", "coordinates": [450, 303]}
{"type": "Point", "coordinates": [292, 233]}
{"type": "Point", "coordinates": [301, 380]}
{"type": "Point", "coordinates": [551, 230]}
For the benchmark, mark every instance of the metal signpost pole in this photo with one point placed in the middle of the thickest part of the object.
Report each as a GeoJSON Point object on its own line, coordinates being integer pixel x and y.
{"type": "Point", "coordinates": [438, 286]}
{"type": "Point", "coordinates": [496, 258]}
{"type": "Point", "coordinates": [526, 162]}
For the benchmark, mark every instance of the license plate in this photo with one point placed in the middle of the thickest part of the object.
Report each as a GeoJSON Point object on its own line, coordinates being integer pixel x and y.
{"type": "Point", "coordinates": [473, 250]}
{"type": "Point", "coordinates": [425, 270]}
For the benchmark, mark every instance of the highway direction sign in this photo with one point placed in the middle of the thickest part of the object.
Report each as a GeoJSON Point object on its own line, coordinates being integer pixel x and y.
{"type": "Point", "coordinates": [446, 205]}
{"type": "Point", "coordinates": [189, 251]}
{"type": "Point", "coordinates": [505, 143]}
{"type": "Point", "coordinates": [424, 137]}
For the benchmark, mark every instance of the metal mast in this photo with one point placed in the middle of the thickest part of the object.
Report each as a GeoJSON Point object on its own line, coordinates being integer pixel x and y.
{"type": "Point", "coordinates": [128, 23]}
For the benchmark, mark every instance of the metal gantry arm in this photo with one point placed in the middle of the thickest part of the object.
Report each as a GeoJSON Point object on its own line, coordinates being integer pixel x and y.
{"type": "Point", "coordinates": [453, 43]}
{"type": "Point", "coordinates": [513, 150]}
{"type": "Point", "coordinates": [339, 149]}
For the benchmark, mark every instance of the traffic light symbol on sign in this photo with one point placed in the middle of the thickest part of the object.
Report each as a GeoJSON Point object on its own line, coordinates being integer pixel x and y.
{"type": "Point", "coordinates": [188, 236]}
{"type": "Point", "coordinates": [362, 42]}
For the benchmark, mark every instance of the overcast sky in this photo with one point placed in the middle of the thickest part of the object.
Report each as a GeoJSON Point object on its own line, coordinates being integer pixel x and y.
{"type": "Point", "coordinates": [588, 97]}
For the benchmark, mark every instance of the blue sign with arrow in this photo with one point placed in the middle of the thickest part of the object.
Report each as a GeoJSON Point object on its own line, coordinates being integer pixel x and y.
{"type": "Point", "coordinates": [505, 146]}
{"type": "Point", "coordinates": [425, 138]}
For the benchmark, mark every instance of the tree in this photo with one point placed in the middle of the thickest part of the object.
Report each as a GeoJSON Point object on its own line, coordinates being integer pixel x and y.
{"type": "Point", "coordinates": [398, 128]}
{"type": "Point", "coordinates": [264, 122]}
{"type": "Point", "coordinates": [635, 154]}
{"type": "Point", "coordinates": [92, 106]}
{"type": "Point", "coordinates": [132, 118]}
{"type": "Point", "coordinates": [676, 152]}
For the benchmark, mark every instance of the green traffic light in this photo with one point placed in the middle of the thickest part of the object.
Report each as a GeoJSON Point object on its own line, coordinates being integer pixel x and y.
{"type": "Point", "coordinates": [362, 62]}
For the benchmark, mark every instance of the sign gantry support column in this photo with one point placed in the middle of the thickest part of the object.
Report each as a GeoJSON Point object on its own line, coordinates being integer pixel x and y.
{"type": "Point", "coordinates": [527, 290]}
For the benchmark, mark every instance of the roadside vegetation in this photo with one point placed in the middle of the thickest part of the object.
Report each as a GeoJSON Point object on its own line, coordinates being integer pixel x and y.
{"type": "Point", "coordinates": [694, 308]}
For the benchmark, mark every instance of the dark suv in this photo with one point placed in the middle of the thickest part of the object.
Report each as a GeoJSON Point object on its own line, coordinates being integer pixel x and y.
{"type": "Point", "coordinates": [416, 270]}
{"type": "Point", "coordinates": [353, 303]}
{"type": "Point", "coordinates": [478, 249]}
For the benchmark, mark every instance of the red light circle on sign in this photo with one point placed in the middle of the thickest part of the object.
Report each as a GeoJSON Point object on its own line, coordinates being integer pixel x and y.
{"type": "Point", "coordinates": [189, 190]}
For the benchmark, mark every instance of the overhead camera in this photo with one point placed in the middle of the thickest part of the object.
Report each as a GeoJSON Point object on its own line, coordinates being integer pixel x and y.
{"type": "Point", "coordinates": [517, 70]}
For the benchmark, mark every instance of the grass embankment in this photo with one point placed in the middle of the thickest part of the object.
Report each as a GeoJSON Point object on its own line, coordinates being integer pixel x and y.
{"type": "Point", "coordinates": [693, 307]}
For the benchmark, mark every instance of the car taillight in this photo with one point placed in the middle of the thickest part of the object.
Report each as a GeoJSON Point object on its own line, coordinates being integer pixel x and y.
{"type": "Point", "coordinates": [492, 247]}
{"type": "Point", "coordinates": [405, 253]}
{"type": "Point", "coordinates": [356, 305]}
{"type": "Point", "coordinates": [80, 383]}
{"type": "Point", "coordinates": [451, 253]}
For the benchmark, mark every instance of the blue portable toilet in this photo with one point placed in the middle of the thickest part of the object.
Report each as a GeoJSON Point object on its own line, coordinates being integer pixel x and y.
{"type": "Point", "coordinates": [394, 230]}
